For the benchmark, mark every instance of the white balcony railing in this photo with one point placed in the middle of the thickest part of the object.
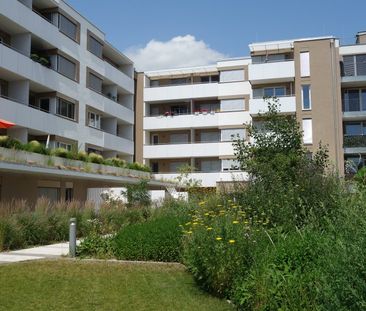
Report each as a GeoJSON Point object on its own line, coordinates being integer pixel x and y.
{"type": "Point", "coordinates": [272, 72]}
{"type": "Point", "coordinates": [287, 104]}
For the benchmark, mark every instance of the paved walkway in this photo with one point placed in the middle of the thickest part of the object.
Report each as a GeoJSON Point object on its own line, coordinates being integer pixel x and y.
{"type": "Point", "coordinates": [35, 253]}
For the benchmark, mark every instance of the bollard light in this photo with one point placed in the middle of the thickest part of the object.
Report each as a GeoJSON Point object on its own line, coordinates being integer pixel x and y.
{"type": "Point", "coordinates": [72, 238]}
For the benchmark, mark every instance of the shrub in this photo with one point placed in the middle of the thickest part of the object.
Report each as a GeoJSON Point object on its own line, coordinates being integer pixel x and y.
{"type": "Point", "coordinates": [95, 158]}
{"type": "Point", "coordinates": [115, 162]}
{"type": "Point", "coordinates": [137, 195]}
{"type": "Point", "coordinates": [37, 147]}
{"type": "Point", "coordinates": [156, 240]}
{"type": "Point", "coordinates": [138, 166]}
{"type": "Point", "coordinates": [60, 152]}
{"type": "Point", "coordinates": [7, 142]}
{"type": "Point", "coordinates": [82, 156]}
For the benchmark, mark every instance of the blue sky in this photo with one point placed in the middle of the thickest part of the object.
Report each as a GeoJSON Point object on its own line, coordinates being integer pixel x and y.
{"type": "Point", "coordinates": [225, 26]}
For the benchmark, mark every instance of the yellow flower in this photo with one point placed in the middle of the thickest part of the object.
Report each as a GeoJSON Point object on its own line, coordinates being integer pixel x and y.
{"type": "Point", "coordinates": [209, 228]}
{"type": "Point", "coordinates": [189, 232]}
{"type": "Point", "coordinates": [235, 222]}
{"type": "Point", "coordinates": [218, 238]}
{"type": "Point", "coordinates": [202, 203]}
{"type": "Point", "coordinates": [206, 214]}
{"type": "Point", "coordinates": [188, 223]}
{"type": "Point", "coordinates": [195, 223]}
{"type": "Point", "coordinates": [231, 241]}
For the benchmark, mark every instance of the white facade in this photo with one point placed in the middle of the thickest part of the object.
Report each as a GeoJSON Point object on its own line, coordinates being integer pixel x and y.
{"type": "Point", "coordinates": [60, 80]}
{"type": "Point", "coordinates": [186, 112]}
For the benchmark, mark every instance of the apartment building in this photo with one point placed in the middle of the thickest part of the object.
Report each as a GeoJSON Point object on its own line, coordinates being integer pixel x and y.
{"type": "Point", "coordinates": [188, 116]}
{"type": "Point", "coordinates": [62, 84]}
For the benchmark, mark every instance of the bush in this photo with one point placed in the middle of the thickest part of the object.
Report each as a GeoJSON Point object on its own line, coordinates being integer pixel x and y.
{"type": "Point", "coordinates": [82, 156]}
{"type": "Point", "coordinates": [61, 152]}
{"type": "Point", "coordinates": [7, 142]}
{"type": "Point", "coordinates": [115, 162]}
{"type": "Point", "coordinates": [139, 167]}
{"type": "Point", "coordinates": [95, 158]}
{"type": "Point", "coordinates": [156, 240]}
{"type": "Point", "coordinates": [37, 147]}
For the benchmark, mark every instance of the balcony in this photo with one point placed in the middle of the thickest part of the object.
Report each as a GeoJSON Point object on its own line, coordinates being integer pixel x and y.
{"type": "Point", "coordinates": [354, 144]}
{"type": "Point", "coordinates": [207, 179]}
{"type": "Point", "coordinates": [287, 105]}
{"type": "Point", "coordinates": [274, 72]}
{"type": "Point", "coordinates": [181, 92]}
{"type": "Point", "coordinates": [170, 151]}
{"type": "Point", "coordinates": [198, 120]}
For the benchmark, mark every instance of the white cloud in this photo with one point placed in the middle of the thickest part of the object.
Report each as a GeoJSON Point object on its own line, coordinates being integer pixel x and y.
{"type": "Point", "coordinates": [180, 51]}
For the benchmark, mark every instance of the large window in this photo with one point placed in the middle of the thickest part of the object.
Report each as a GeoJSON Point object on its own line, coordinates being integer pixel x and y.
{"type": "Point", "coordinates": [59, 144]}
{"type": "Point", "coordinates": [94, 120]}
{"type": "Point", "coordinates": [95, 47]}
{"type": "Point", "coordinates": [66, 67]}
{"type": "Point", "coordinates": [179, 110]}
{"type": "Point", "coordinates": [354, 65]}
{"type": "Point", "coordinates": [67, 27]}
{"type": "Point", "coordinates": [306, 97]}
{"type": "Point", "coordinates": [95, 83]}
{"type": "Point", "coordinates": [181, 138]}
{"type": "Point", "coordinates": [50, 193]}
{"type": "Point", "coordinates": [230, 165]}
{"type": "Point", "coordinates": [232, 75]}
{"type": "Point", "coordinates": [230, 134]}
{"type": "Point", "coordinates": [65, 108]}
{"type": "Point", "coordinates": [210, 166]}
{"type": "Point", "coordinates": [260, 59]}
{"type": "Point", "coordinates": [355, 128]}
{"type": "Point", "coordinates": [305, 64]}
{"type": "Point", "coordinates": [232, 104]}
{"type": "Point", "coordinates": [209, 137]}
{"type": "Point", "coordinates": [175, 166]}
{"type": "Point", "coordinates": [354, 100]}
{"type": "Point", "coordinates": [307, 127]}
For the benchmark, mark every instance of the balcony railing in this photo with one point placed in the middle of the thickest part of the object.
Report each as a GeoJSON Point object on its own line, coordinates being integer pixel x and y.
{"type": "Point", "coordinates": [353, 105]}
{"type": "Point", "coordinates": [354, 141]}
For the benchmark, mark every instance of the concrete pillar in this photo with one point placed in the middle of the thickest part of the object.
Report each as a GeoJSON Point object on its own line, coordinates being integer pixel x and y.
{"type": "Point", "coordinates": [192, 106]}
{"type": "Point", "coordinates": [19, 90]}
{"type": "Point", "coordinates": [20, 134]}
{"type": "Point", "coordinates": [193, 138]}
{"type": "Point", "coordinates": [53, 102]}
{"type": "Point", "coordinates": [22, 42]}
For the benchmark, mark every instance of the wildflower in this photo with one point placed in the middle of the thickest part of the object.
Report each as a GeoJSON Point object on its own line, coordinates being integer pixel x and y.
{"type": "Point", "coordinates": [189, 232]}
{"type": "Point", "coordinates": [231, 241]}
{"type": "Point", "coordinates": [206, 214]}
{"type": "Point", "coordinates": [209, 228]}
{"type": "Point", "coordinates": [218, 238]}
{"type": "Point", "coordinates": [201, 203]}
{"type": "Point", "coordinates": [188, 223]}
{"type": "Point", "coordinates": [195, 223]}
{"type": "Point", "coordinates": [235, 222]}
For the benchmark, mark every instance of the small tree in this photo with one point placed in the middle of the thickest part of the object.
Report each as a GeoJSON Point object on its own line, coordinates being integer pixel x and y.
{"type": "Point", "coordinates": [137, 195]}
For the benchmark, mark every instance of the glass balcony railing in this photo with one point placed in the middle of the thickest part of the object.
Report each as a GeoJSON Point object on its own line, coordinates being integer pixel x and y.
{"type": "Point", "coordinates": [354, 141]}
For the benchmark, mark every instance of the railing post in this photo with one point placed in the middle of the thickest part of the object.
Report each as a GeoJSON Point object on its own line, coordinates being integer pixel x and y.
{"type": "Point", "coordinates": [72, 238]}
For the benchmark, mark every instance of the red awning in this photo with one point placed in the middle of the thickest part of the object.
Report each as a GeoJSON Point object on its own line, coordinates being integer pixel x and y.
{"type": "Point", "coordinates": [5, 124]}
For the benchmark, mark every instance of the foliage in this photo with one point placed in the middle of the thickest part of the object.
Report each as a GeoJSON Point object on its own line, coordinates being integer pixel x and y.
{"type": "Point", "coordinates": [156, 240]}
{"type": "Point", "coordinates": [185, 180]}
{"type": "Point", "coordinates": [73, 154]}
{"type": "Point", "coordinates": [137, 194]}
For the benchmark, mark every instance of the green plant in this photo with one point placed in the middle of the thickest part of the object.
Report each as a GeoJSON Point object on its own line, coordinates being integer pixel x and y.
{"type": "Point", "coordinates": [34, 57]}
{"type": "Point", "coordinates": [60, 152]}
{"type": "Point", "coordinates": [115, 162]}
{"type": "Point", "coordinates": [44, 61]}
{"type": "Point", "coordinates": [82, 156]}
{"type": "Point", "coordinates": [37, 147]}
{"type": "Point", "coordinates": [158, 240]}
{"type": "Point", "coordinates": [95, 158]}
{"type": "Point", "coordinates": [137, 195]}
{"type": "Point", "coordinates": [138, 166]}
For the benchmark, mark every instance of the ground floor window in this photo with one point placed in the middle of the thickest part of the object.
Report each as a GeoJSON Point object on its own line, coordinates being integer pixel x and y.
{"type": "Point", "coordinates": [53, 194]}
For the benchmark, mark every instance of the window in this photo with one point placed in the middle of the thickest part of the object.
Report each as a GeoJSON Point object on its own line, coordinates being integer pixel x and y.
{"type": "Point", "coordinates": [154, 83]}
{"type": "Point", "coordinates": [179, 81]}
{"type": "Point", "coordinates": [65, 108]}
{"type": "Point", "coordinates": [95, 47]}
{"type": "Point", "coordinates": [69, 194]}
{"type": "Point", "coordinates": [53, 194]}
{"type": "Point", "coordinates": [66, 67]}
{"type": "Point", "coordinates": [232, 104]}
{"type": "Point", "coordinates": [181, 138]}
{"type": "Point", "coordinates": [306, 97]}
{"type": "Point", "coordinates": [274, 91]}
{"type": "Point", "coordinates": [155, 167]}
{"type": "Point", "coordinates": [175, 166]}
{"type": "Point", "coordinates": [208, 107]}
{"type": "Point", "coordinates": [155, 139]}
{"type": "Point", "coordinates": [178, 110]}
{"type": "Point", "coordinates": [260, 59]}
{"type": "Point", "coordinates": [94, 120]}
{"type": "Point", "coordinates": [232, 75]}
{"type": "Point", "coordinates": [305, 64]}
{"type": "Point", "coordinates": [95, 83]}
{"type": "Point", "coordinates": [354, 65]}
{"type": "Point", "coordinates": [307, 127]}
{"type": "Point", "coordinates": [230, 134]}
{"type": "Point", "coordinates": [230, 165]}
{"type": "Point", "coordinates": [59, 144]}
{"type": "Point", "coordinates": [209, 137]}
{"type": "Point", "coordinates": [354, 100]}
{"type": "Point", "coordinates": [154, 110]}
{"type": "Point", "coordinates": [210, 166]}
{"type": "Point", "coordinates": [67, 27]}
{"type": "Point", "coordinates": [355, 128]}
{"type": "Point", "coordinates": [44, 104]}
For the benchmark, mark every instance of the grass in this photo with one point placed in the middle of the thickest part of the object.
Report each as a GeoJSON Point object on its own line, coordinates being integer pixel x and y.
{"type": "Point", "coordinates": [91, 285]}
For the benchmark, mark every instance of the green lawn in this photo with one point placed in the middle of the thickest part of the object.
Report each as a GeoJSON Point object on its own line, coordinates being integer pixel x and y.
{"type": "Point", "coordinates": [86, 285]}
